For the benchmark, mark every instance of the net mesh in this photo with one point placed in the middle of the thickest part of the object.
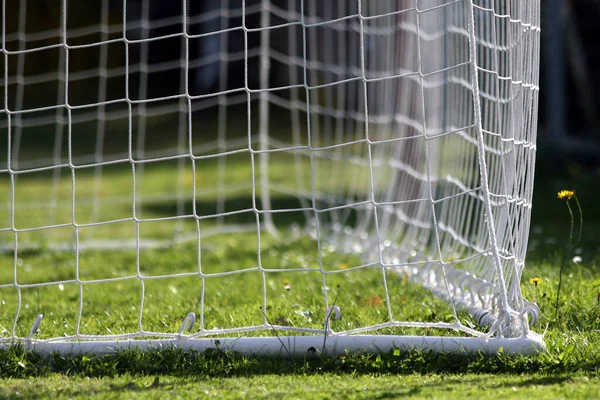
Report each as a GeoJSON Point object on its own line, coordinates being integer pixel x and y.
{"type": "Point", "coordinates": [402, 132]}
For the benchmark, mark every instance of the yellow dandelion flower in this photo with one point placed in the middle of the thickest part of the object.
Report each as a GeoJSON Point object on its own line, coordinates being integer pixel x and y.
{"type": "Point", "coordinates": [343, 266]}
{"type": "Point", "coordinates": [535, 281]}
{"type": "Point", "coordinates": [566, 194]}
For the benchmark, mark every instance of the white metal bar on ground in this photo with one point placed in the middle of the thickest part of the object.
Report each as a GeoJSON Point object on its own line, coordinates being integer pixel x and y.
{"type": "Point", "coordinates": [300, 345]}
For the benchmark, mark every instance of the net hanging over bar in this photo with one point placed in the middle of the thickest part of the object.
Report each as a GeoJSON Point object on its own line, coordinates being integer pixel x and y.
{"type": "Point", "coordinates": [341, 168]}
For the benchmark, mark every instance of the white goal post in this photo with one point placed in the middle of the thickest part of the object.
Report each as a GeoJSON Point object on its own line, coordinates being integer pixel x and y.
{"type": "Point", "coordinates": [398, 136]}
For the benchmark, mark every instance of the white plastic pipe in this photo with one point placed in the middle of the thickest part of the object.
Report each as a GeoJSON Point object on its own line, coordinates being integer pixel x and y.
{"type": "Point", "coordinates": [300, 345]}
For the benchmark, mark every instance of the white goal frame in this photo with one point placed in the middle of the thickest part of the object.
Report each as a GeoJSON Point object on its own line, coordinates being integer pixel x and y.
{"type": "Point", "coordinates": [433, 101]}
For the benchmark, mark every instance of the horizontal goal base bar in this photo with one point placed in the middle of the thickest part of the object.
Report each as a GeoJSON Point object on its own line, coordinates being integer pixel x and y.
{"type": "Point", "coordinates": [299, 346]}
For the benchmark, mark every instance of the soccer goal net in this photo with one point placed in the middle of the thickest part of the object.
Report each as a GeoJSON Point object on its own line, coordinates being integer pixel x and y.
{"type": "Point", "coordinates": [267, 176]}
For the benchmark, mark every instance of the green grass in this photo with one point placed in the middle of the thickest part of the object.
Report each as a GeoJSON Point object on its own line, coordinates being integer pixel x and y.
{"type": "Point", "coordinates": [294, 298]}
{"type": "Point", "coordinates": [107, 196]}
{"type": "Point", "coordinates": [414, 375]}
{"type": "Point", "coordinates": [325, 386]}
{"type": "Point", "coordinates": [570, 367]}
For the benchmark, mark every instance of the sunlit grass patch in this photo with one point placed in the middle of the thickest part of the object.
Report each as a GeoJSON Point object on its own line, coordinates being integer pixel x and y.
{"type": "Point", "coordinates": [122, 291]}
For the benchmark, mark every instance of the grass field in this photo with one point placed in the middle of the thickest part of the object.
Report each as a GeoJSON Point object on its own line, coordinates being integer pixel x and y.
{"type": "Point", "coordinates": [570, 368]}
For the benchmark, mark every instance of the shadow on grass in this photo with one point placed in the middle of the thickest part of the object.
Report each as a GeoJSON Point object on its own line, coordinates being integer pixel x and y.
{"type": "Point", "coordinates": [305, 386]}
{"type": "Point", "coordinates": [540, 381]}
{"type": "Point", "coordinates": [287, 210]}
{"type": "Point", "coordinates": [18, 363]}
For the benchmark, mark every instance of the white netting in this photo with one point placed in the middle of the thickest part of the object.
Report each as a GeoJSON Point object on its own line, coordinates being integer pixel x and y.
{"type": "Point", "coordinates": [395, 129]}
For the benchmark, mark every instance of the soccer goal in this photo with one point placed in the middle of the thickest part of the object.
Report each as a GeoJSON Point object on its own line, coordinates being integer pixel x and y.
{"type": "Point", "coordinates": [267, 176]}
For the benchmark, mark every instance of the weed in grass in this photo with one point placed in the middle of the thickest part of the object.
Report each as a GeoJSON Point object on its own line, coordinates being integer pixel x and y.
{"type": "Point", "coordinates": [567, 195]}
{"type": "Point", "coordinates": [536, 282]}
